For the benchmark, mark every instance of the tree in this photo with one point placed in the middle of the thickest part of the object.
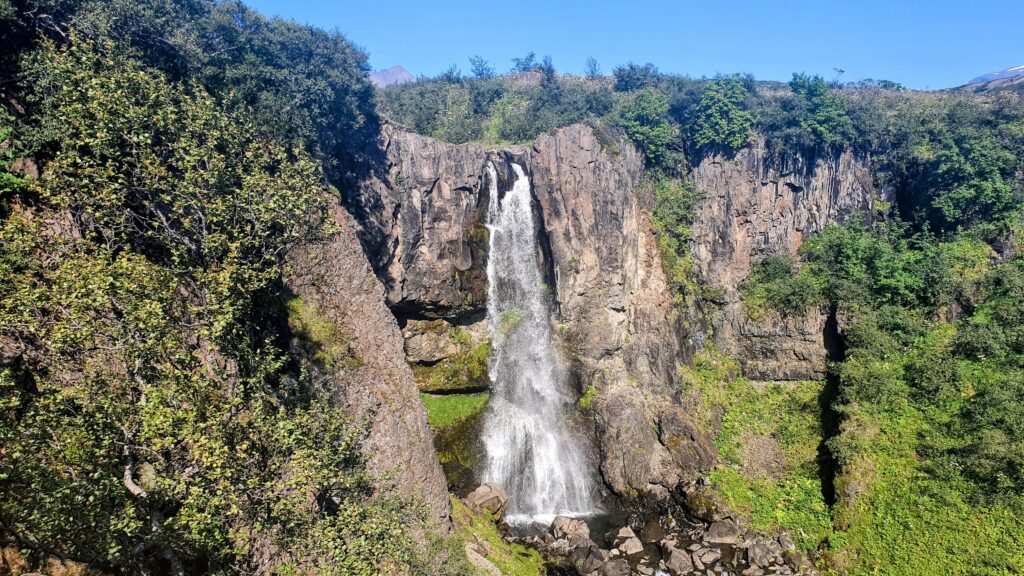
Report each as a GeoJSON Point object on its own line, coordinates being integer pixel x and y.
{"type": "Point", "coordinates": [527, 63]}
{"type": "Point", "coordinates": [722, 120]}
{"type": "Point", "coordinates": [159, 428]}
{"type": "Point", "coordinates": [547, 69]}
{"type": "Point", "coordinates": [451, 76]}
{"type": "Point", "coordinates": [645, 119]}
{"type": "Point", "coordinates": [482, 69]}
{"type": "Point", "coordinates": [592, 69]}
{"type": "Point", "coordinates": [827, 121]}
{"type": "Point", "coordinates": [632, 77]}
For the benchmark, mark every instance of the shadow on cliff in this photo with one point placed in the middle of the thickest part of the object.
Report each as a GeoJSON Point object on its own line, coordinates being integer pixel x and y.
{"type": "Point", "coordinates": [830, 418]}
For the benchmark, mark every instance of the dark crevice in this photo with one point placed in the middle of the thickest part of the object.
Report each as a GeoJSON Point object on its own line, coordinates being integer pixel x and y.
{"type": "Point", "coordinates": [835, 350]}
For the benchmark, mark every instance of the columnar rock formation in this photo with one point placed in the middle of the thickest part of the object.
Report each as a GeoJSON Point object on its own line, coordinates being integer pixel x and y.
{"type": "Point", "coordinates": [750, 209]}
{"type": "Point", "coordinates": [616, 311]}
{"type": "Point", "coordinates": [421, 222]}
{"type": "Point", "coordinates": [420, 219]}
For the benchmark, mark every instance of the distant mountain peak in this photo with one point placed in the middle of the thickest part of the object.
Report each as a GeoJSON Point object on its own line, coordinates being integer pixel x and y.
{"type": "Point", "coordinates": [1007, 73]}
{"type": "Point", "coordinates": [394, 75]}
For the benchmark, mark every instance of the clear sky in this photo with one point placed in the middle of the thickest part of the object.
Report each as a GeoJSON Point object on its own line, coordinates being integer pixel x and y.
{"type": "Point", "coordinates": [919, 43]}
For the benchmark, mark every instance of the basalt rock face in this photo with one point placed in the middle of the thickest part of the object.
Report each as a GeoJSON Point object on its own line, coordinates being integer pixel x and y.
{"type": "Point", "coordinates": [421, 220]}
{"type": "Point", "coordinates": [752, 208]}
{"type": "Point", "coordinates": [421, 223]}
{"type": "Point", "coordinates": [334, 279]}
{"type": "Point", "coordinates": [615, 311]}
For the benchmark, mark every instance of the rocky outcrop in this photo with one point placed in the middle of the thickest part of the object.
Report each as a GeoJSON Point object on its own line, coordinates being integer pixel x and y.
{"type": "Point", "coordinates": [489, 500]}
{"type": "Point", "coordinates": [751, 208]}
{"type": "Point", "coordinates": [421, 220]}
{"type": "Point", "coordinates": [335, 280]}
{"type": "Point", "coordinates": [615, 312]}
{"type": "Point", "coordinates": [668, 547]}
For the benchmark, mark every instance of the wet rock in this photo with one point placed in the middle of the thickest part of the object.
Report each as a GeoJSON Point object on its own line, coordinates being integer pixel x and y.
{"type": "Point", "coordinates": [490, 500]}
{"type": "Point", "coordinates": [678, 562]}
{"type": "Point", "coordinates": [701, 503]}
{"type": "Point", "coordinates": [612, 294]}
{"type": "Point", "coordinates": [618, 567]}
{"type": "Point", "coordinates": [589, 558]}
{"type": "Point", "coordinates": [722, 532]}
{"type": "Point", "coordinates": [565, 527]}
{"type": "Point", "coordinates": [652, 532]}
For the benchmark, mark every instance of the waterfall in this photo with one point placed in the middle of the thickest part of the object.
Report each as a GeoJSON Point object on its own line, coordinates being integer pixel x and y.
{"type": "Point", "coordinates": [531, 451]}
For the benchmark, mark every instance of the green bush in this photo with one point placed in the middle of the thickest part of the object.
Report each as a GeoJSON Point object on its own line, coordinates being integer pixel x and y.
{"type": "Point", "coordinates": [156, 426]}
{"type": "Point", "coordinates": [647, 123]}
{"type": "Point", "coordinates": [722, 120]}
{"type": "Point", "coordinates": [778, 283]}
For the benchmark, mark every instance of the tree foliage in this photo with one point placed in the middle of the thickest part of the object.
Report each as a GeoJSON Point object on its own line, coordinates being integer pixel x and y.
{"type": "Point", "coordinates": [645, 119]}
{"type": "Point", "coordinates": [722, 120]}
{"type": "Point", "coordinates": [150, 417]}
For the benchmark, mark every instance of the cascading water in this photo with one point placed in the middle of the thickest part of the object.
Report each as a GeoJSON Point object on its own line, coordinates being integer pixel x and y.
{"type": "Point", "coordinates": [531, 451]}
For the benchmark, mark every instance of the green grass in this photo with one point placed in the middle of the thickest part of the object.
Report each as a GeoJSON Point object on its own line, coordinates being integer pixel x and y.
{"type": "Point", "coordinates": [511, 559]}
{"type": "Point", "coordinates": [464, 370]}
{"type": "Point", "coordinates": [588, 397]}
{"type": "Point", "coordinates": [325, 340]}
{"type": "Point", "coordinates": [445, 411]}
{"type": "Point", "coordinates": [788, 414]}
{"type": "Point", "coordinates": [915, 516]}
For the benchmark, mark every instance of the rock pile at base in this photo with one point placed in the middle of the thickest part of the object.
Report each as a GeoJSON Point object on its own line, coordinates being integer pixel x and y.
{"type": "Point", "coordinates": [668, 548]}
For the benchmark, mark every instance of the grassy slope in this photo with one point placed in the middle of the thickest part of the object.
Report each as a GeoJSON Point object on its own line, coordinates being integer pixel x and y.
{"type": "Point", "coordinates": [790, 496]}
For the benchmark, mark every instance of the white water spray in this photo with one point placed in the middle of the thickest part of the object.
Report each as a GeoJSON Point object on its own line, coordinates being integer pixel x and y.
{"type": "Point", "coordinates": [531, 452]}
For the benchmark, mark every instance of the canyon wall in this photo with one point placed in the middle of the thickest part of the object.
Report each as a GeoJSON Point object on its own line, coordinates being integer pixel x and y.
{"type": "Point", "coordinates": [752, 208]}
{"type": "Point", "coordinates": [335, 282]}
{"type": "Point", "coordinates": [421, 223]}
{"type": "Point", "coordinates": [420, 218]}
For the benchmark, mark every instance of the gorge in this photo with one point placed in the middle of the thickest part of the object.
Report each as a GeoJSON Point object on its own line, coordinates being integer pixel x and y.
{"type": "Point", "coordinates": [258, 316]}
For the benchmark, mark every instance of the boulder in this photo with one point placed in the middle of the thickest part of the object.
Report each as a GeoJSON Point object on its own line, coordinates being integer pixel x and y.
{"type": "Point", "coordinates": [618, 567]}
{"type": "Point", "coordinates": [623, 533]}
{"type": "Point", "coordinates": [652, 532]}
{"type": "Point", "coordinates": [708, 556]}
{"type": "Point", "coordinates": [490, 500]}
{"type": "Point", "coordinates": [590, 558]}
{"type": "Point", "coordinates": [474, 557]}
{"type": "Point", "coordinates": [678, 562]}
{"type": "Point", "coordinates": [759, 554]}
{"type": "Point", "coordinates": [722, 532]}
{"type": "Point", "coordinates": [565, 527]}
{"type": "Point", "coordinates": [630, 546]}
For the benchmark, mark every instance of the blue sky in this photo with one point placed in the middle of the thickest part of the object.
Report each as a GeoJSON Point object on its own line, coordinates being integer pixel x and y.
{"type": "Point", "coordinates": [920, 43]}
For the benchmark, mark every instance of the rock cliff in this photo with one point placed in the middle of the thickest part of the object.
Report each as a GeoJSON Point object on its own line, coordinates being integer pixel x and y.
{"type": "Point", "coordinates": [615, 310]}
{"type": "Point", "coordinates": [421, 223]}
{"type": "Point", "coordinates": [335, 281]}
{"type": "Point", "coordinates": [752, 208]}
